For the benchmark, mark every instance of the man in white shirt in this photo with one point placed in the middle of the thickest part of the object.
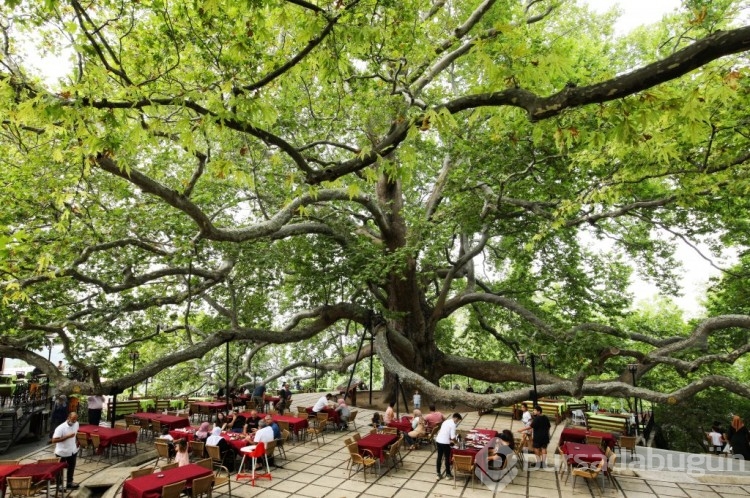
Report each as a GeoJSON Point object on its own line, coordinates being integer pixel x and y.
{"type": "Point", "coordinates": [66, 447]}
{"type": "Point", "coordinates": [322, 403]}
{"type": "Point", "coordinates": [264, 434]}
{"type": "Point", "coordinates": [445, 435]}
{"type": "Point", "coordinates": [95, 404]}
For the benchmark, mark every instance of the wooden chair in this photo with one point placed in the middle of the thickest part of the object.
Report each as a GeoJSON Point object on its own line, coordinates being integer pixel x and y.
{"type": "Point", "coordinates": [302, 412]}
{"type": "Point", "coordinates": [84, 446]}
{"type": "Point", "coordinates": [392, 455]}
{"type": "Point", "coordinates": [361, 461]}
{"type": "Point", "coordinates": [162, 451]}
{"type": "Point", "coordinates": [518, 450]}
{"type": "Point", "coordinates": [390, 430]}
{"type": "Point", "coordinates": [316, 432]}
{"type": "Point", "coordinates": [222, 477]}
{"type": "Point", "coordinates": [204, 413]}
{"type": "Point", "coordinates": [206, 463]}
{"type": "Point", "coordinates": [463, 464]}
{"type": "Point", "coordinates": [169, 466]}
{"type": "Point", "coordinates": [130, 421]}
{"type": "Point", "coordinates": [591, 473]}
{"type": "Point", "coordinates": [628, 443]}
{"type": "Point", "coordinates": [353, 418]}
{"type": "Point", "coordinates": [356, 436]}
{"type": "Point", "coordinates": [173, 490]}
{"type": "Point", "coordinates": [197, 449]}
{"type": "Point", "coordinates": [433, 435]}
{"type": "Point", "coordinates": [48, 460]}
{"type": "Point", "coordinates": [611, 462]}
{"type": "Point", "coordinates": [565, 466]}
{"type": "Point", "coordinates": [155, 429]}
{"type": "Point", "coordinates": [218, 459]}
{"type": "Point", "coordinates": [141, 472]}
{"type": "Point", "coordinates": [202, 486]}
{"type": "Point", "coordinates": [280, 443]}
{"type": "Point", "coordinates": [9, 462]}
{"type": "Point", "coordinates": [595, 440]}
{"type": "Point", "coordinates": [22, 486]}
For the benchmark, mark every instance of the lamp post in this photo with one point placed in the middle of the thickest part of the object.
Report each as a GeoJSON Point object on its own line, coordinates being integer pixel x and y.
{"type": "Point", "coordinates": [134, 355]}
{"type": "Point", "coordinates": [522, 357]}
{"type": "Point", "coordinates": [633, 367]}
{"type": "Point", "coordinates": [50, 339]}
{"type": "Point", "coordinates": [315, 373]}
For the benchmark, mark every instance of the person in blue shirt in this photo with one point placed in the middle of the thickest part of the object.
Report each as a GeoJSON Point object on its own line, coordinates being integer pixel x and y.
{"type": "Point", "coordinates": [259, 396]}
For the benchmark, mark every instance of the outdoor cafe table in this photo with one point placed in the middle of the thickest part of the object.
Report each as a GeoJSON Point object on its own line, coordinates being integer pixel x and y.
{"type": "Point", "coordinates": [578, 435]}
{"type": "Point", "coordinates": [332, 413]}
{"type": "Point", "coordinates": [42, 472]}
{"type": "Point", "coordinates": [377, 444]}
{"type": "Point", "coordinates": [109, 436]}
{"type": "Point", "coordinates": [475, 441]}
{"type": "Point", "coordinates": [404, 425]}
{"type": "Point", "coordinates": [5, 471]}
{"type": "Point", "coordinates": [578, 453]}
{"type": "Point", "coordinates": [171, 421]}
{"type": "Point", "coordinates": [213, 406]}
{"type": "Point", "coordinates": [149, 486]}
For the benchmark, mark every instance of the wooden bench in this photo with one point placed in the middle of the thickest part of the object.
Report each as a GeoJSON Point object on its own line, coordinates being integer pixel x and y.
{"type": "Point", "coordinates": [601, 422]}
{"type": "Point", "coordinates": [162, 404]}
{"type": "Point", "coordinates": [125, 407]}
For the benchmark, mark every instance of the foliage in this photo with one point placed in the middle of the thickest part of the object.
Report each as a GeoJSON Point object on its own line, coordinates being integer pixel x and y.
{"type": "Point", "coordinates": [280, 176]}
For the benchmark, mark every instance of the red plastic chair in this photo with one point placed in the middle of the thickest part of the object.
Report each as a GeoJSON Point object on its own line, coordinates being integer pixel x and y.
{"type": "Point", "coordinates": [259, 451]}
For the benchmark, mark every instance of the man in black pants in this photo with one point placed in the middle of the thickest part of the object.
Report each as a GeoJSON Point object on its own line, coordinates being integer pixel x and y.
{"type": "Point", "coordinates": [66, 448]}
{"type": "Point", "coordinates": [445, 436]}
{"type": "Point", "coordinates": [541, 425]}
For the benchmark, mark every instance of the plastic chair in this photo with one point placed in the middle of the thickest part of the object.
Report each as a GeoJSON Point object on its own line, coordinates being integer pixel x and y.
{"type": "Point", "coordinates": [578, 417]}
{"type": "Point", "coordinates": [254, 453]}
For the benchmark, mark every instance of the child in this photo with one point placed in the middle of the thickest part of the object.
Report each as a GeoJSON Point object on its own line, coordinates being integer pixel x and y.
{"type": "Point", "coordinates": [182, 457]}
{"type": "Point", "coordinates": [376, 421]}
{"type": "Point", "coordinates": [417, 400]}
{"type": "Point", "coordinates": [717, 440]}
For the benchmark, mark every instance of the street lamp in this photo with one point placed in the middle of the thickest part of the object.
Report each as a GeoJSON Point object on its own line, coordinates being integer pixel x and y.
{"type": "Point", "coordinates": [522, 357]}
{"type": "Point", "coordinates": [633, 367]}
{"type": "Point", "coordinates": [315, 373]}
{"type": "Point", "coordinates": [134, 355]}
{"type": "Point", "coordinates": [50, 339]}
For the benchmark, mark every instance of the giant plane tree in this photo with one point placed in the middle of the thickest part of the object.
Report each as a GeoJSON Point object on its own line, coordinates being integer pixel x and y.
{"type": "Point", "coordinates": [486, 174]}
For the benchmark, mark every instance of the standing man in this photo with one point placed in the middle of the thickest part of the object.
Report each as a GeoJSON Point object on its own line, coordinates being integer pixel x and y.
{"type": "Point", "coordinates": [445, 435]}
{"type": "Point", "coordinates": [540, 424]}
{"type": "Point", "coordinates": [66, 448]}
{"type": "Point", "coordinates": [96, 404]}
{"type": "Point", "coordinates": [285, 399]}
{"type": "Point", "coordinates": [259, 396]}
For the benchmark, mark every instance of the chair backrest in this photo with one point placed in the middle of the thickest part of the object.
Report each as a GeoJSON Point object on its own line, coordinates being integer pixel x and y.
{"type": "Point", "coordinates": [156, 427]}
{"type": "Point", "coordinates": [353, 414]}
{"type": "Point", "coordinates": [169, 466]}
{"type": "Point", "coordinates": [197, 448]}
{"type": "Point", "coordinates": [463, 463]}
{"type": "Point", "coordinates": [202, 485]}
{"type": "Point", "coordinates": [19, 486]}
{"type": "Point", "coordinates": [206, 463]}
{"type": "Point", "coordinates": [390, 430]}
{"type": "Point", "coordinates": [173, 490]}
{"type": "Point", "coordinates": [9, 462]}
{"type": "Point", "coordinates": [214, 453]}
{"type": "Point", "coordinates": [270, 448]}
{"type": "Point", "coordinates": [322, 418]}
{"type": "Point", "coordinates": [162, 449]}
{"type": "Point", "coordinates": [302, 411]}
{"type": "Point", "coordinates": [284, 426]}
{"type": "Point", "coordinates": [129, 420]}
{"type": "Point", "coordinates": [285, 435]}
{"type": "Point", "coordinates": [348, 441]}
{"type": "Point", "coordinates": [356, 436]}
{"type": "Point", "coordinates": [141, 472]}
{"type": "Point", "coordinates": [594, 440]}
{"type": "Point", "coordinates": [611, 461]}
{"type": "Point", "coordinates": [353, 448]}
{"type": "Point", "coordinates": [83, 439]}
{"type": "Point", "coordinates": [627, 442]}
{"type": "Point", "coordinates": [259, 451]}
{"type": "Point", "coordinates": [48, 460]}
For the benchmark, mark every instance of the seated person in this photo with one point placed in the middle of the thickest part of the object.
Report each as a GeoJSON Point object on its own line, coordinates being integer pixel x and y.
{"type": "Point", "coordinates": [376, 421]}
{"type": "Point", "coordinates": [498, 456]}
{"type": "Point", "coordinates": [182, 457]}
{"type": "Point", "coordinates": [433, 418]}
{"type": "Point", "coordinates": [344, 413]}
{"type": "Point", "coordinates": [165, 436]}
{"type": "Point", "coordinates": [251, 424]}
{"type": "Point", "coordinates": [418, 430]}
{"type": "Point", "coordinates": [389, 415]}
{"type": "Point", "coordinates": [215, 439]}
{"type": "Point", "coordinates": [203, 432]}
{"type": "Point", "coordinates": [238, 423]}
{"type": "Point", "coordinates": [322, 403]}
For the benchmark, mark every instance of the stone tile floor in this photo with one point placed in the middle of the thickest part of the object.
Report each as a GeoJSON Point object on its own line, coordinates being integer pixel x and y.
{"type": "Point", "coordinates": [313, 470]}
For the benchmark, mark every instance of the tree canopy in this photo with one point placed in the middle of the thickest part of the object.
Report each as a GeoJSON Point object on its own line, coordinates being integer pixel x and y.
{"type": "Point", "coordinates": [444, 174]}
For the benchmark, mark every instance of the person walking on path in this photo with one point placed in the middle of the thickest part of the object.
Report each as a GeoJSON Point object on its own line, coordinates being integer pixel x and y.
{"type": "Point", "coordinates": [445, 435]}
{"type": "Point", "coordinates": [66, 447]}
{"type": "Point", "coordinates": [541, 426]}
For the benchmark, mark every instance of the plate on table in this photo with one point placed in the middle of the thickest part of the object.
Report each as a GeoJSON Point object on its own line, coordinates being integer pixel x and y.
{"type": "Point", "coordinates": [478, 446]}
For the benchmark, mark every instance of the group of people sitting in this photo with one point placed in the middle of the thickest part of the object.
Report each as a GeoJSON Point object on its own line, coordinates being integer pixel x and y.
{"type": "Point", "coordinates": [253, 429]}
{"type": "Point", "coordinates": [326, 403]}
{"type": "Point", "coordinates": [421, 425]}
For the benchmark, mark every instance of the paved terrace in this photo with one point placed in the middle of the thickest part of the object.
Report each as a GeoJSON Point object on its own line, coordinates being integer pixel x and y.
{"type": "Point", "coordinates": [320, 471]}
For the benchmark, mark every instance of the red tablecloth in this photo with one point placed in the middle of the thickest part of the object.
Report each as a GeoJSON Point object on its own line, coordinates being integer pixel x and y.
{"type": "Point", "coordinates": [578, 453]}
{"type": "Point", "coordinates": [332, 413]}
{"type": "Point", "coordinates": [296, 424]}
{"type": "Point", "coordinates": [377, 443]}
{"type": "Point", "coordinates": [490, 433]}
{"type": "Point", "coordinates": [211, 405]}
{"type": "Point", "coordinates": [186, 433]}
{"type": "Point", "coordinates": [404, 425]}
{"type": "Point", "coordinates": [40, 471]}
{"type": "Point", "coordinates": [5, 471]}
{"type": "Point", "coordinates": [171, 421]}
{"type": "Point", "coordinates": [149, 486]}
{"type": "Point", "coordinates": [109, 436]}
{"type": "Point", "coordinates": [578, 435]}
